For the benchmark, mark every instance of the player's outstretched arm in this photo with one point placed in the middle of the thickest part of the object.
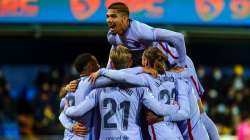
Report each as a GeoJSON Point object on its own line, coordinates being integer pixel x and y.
{"type": "Point", "coordinates": [124, 77]}
{"type": "Point", "coordinates": [174, 38]}
{"type": "Point", "coordinates": [134, 70]}
{"type": "Point", "coordinates": [148, 33]}
{"type": "Point", "coordinates": [129, 76]}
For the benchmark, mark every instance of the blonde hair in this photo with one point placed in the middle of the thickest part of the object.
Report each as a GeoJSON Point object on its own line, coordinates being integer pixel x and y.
{"type": "Point", "coordinates": [156, 59]}
{"type": "Point", "coordinates": [120, 57]}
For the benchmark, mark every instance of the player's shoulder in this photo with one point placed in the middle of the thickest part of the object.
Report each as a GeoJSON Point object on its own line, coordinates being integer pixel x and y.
{"type": "Point", "coordinates": [184, 73]}
{"type": "Point", "coordinates": [168, 76]}
{"type": "Point", "coordinates": [137, 23]}
{"type": "Point", "coordinates": [182, 82]}
{"type": "Point", "coordinates": [81, 83]}
{"type": "Point", "coordinates": [146, 76]}
{"type": "Point", "coordinates": [96, 93]}
{"type": "Point", "coordinates": [139, 26]}
{"type": "Point", "coordinates": [82, 80]}
{"type": "Point", "coordinates": [108, 90]}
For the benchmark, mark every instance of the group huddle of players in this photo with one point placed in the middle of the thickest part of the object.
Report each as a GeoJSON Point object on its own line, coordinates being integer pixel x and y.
{"type": "Point", "coordinates": [149, 89]}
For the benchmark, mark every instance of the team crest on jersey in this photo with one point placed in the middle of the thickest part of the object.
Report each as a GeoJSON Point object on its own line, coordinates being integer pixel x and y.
{"type": "Point", "coordinates": [209, 9]}
{"type": "Point", "coordinates": [83, 9]}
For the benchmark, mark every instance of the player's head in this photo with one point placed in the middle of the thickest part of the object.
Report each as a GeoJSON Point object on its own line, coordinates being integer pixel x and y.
{"type": "Point", "coordinates": [86, 63]}
{"type": "Point", "coordinates": [121, 57]}
{"type": "Point", "coordinates": [154, 58]}
{"type": "Point", "coordinates": [118, 18]}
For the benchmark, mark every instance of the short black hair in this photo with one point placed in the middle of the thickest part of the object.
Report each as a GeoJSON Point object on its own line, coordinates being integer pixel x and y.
{"type": "Point", "coordinates": [121, 7]}
{"type": "Point", "coordinates": [82, 61]}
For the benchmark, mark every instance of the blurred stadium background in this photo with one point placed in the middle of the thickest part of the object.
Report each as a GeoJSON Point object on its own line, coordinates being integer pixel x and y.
{"type": "Point", "coordinates": [39, 39]}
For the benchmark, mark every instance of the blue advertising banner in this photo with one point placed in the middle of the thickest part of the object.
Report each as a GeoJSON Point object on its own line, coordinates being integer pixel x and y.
{"type": "Point", "coordinates": [175, 12]}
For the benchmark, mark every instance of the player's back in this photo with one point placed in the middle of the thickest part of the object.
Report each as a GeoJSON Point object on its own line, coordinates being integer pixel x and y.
{"type": "Point", "coordinates": [119, 108]}
{"type": "Point", "coordinates": [196, 129]}
{"type": "Point", "coordinates": [164, 89]}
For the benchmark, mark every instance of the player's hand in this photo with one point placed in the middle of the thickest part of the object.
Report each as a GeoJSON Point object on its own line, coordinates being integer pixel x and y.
{"type": "Point", "coordinates": [152, 118]}
{"type": "Point", "coordinates": [150, 71]}
{"type": "Point", "coordinates": [72, 86]}
{"type": "Point", "coordinates": [63, 92]}
{"type": "Point", "coordinates": [94, 76]}
{"type": "Point", "coordinates": [79, 129]}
